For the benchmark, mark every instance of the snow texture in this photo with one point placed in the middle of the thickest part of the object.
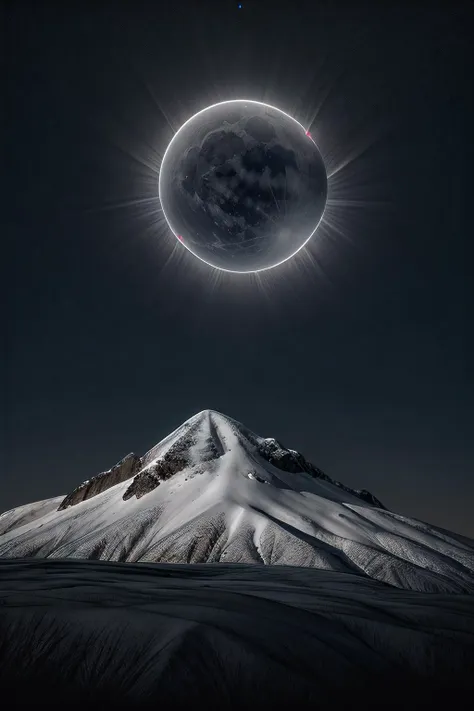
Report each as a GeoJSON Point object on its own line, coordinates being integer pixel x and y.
{"type": "Point", "coordinates": [298, 633]}
{"type": "Point", "coordinates": [212, 491]}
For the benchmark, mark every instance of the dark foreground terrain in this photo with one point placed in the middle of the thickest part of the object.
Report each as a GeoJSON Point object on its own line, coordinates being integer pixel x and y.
{"type": "Point", "coordinates": [95, 634]}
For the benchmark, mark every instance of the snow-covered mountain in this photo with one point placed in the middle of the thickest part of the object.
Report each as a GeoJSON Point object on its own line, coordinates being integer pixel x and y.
{"type": "Point", "coordinates": [212, 491]}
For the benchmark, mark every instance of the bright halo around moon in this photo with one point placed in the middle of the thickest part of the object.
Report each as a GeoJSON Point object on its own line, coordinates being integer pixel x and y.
{"type": "Point", "coordinates": [242, 186]}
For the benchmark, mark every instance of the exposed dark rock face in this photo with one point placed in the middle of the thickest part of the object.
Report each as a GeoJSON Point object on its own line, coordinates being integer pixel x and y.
{"type": "Point", "coordinates": [152, 477]}
{"type": "Point", "coordinates": [156, 452]}
{"type": "Point", "coordinates": [174, 461]}
{"type": "Point", "coordinates": [368, 497]}
{"type": "Point", "coordinates": [122, 471]}
{"type": "Point", "coordinates": [212, 450]}
{"type": "Point", "coordinates": [286, 459]}
{"type": "Point", "coordinates": [290, 461]}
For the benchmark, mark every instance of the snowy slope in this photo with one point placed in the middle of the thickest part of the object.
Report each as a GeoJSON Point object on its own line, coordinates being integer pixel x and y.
{"type": "Point", "coordinates": [214, 633]}
{"type": "Point", "coordinates": [212, 491]}
{"type": "Point", "coordinates": [28, 513]}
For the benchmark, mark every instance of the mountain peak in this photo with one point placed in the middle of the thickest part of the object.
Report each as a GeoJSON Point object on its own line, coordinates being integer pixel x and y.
{"type": "Point", "coordinates": [204, 438]}
{"type": "Point", "coordinates": [214, 491]}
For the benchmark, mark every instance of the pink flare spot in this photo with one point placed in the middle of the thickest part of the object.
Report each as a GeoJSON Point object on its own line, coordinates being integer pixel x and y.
{"type": "Point", "coordinates": [308, 134]}
{"type": "Point", "coordinates": [180, 238]}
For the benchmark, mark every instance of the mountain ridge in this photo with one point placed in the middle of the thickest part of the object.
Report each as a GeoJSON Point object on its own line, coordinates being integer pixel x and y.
{"type": "Point", "coordinates": [214, 491]}
{"type": "Point", "coordinates": [172, 460]}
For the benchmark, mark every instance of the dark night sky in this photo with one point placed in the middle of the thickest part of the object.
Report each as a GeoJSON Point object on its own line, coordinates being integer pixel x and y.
{"type": "Point", "coordinates": [356, 354]}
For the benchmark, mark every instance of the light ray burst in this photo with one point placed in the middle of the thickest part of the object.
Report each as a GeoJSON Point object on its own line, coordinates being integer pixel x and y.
{"type": "Point", "coordinates": [350, 185]}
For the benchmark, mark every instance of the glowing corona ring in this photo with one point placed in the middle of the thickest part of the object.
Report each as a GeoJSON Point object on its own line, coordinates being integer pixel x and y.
{"type": "Point", "coordinates": [179, 234]}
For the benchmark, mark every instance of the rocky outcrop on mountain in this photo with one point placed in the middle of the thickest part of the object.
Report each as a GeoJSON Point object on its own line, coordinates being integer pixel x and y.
{"type": "Point", "coordinates": [286, 459]}
{"type": "Point", "coordinates": [122, 471]}
{"type": "Point", "coordinates": [150, 478]}
{"type": "Point", "coordinates": [177, 458]}
{"type": "Point", "coordinates": [365, 496]}
{"type": "Point", "coordinates": [290, 461]}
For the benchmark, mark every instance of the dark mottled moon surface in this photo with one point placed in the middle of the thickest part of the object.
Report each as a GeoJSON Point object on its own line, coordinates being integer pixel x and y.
{"type": "Point", "coordinates": [242, 186]}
